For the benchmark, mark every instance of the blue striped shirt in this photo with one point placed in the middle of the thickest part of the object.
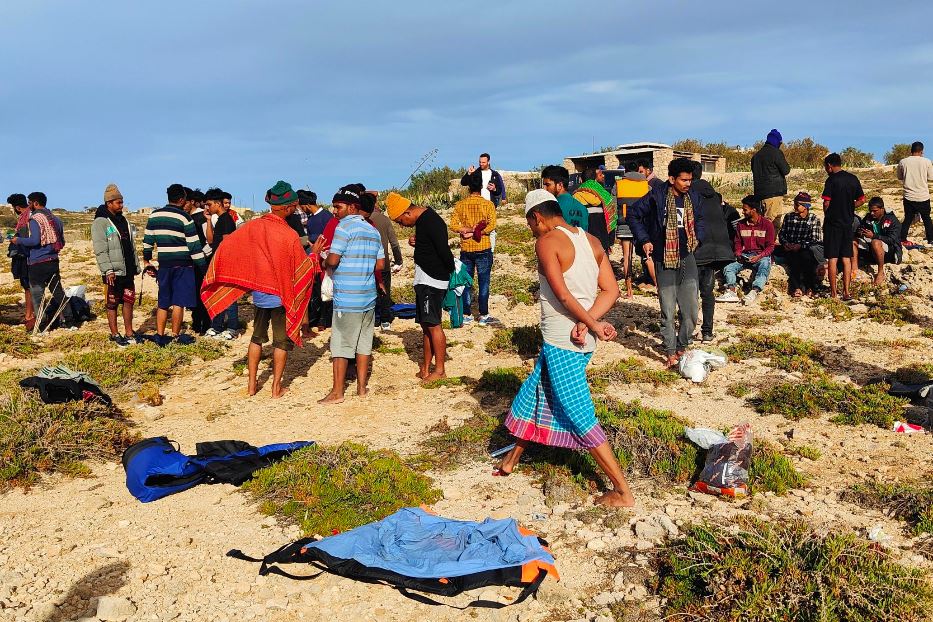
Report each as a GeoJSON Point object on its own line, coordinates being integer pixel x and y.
{"type": "Point", "coordinates": [359, 245]}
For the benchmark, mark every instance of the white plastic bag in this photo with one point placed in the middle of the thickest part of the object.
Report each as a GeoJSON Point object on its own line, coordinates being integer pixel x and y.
{"type": "Point", "coordinates": [327, 286]}
{"type": "Point", "coordinates": [695, 365]}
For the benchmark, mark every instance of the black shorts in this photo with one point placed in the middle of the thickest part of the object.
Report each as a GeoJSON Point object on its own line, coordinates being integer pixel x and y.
{"type": "Point", "coordinates": [261, 322]}
{"type": "Point", "coordinates": [123, 291]}
{"type": "Point", "coordinates": [428, 304]}
{"type": "Point", "coordinates": [837, 240]}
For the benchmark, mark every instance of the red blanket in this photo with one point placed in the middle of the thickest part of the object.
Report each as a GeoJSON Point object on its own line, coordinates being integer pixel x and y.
{"type": "Point", "coordinates": [263, 255]}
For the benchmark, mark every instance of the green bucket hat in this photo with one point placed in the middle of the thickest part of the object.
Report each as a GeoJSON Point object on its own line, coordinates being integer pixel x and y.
{"type": "Point", "coordinates": [281, 194]}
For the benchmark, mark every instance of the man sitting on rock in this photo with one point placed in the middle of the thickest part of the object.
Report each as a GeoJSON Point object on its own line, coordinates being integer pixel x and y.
{"type": "Point", "coordinates": [878, 239]}
{"type": "Point", "coordinates": [754, 243]}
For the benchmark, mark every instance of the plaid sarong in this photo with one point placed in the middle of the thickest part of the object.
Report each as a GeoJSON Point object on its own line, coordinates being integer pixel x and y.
{"type": "Point", "coordinates": [671, 236]}
{"type": "Point", "coordinates": [554, 406]}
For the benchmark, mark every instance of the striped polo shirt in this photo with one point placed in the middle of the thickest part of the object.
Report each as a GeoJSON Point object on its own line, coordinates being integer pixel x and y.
{"type": "Point", "coordinates": [175, 235]}
{"type": "Point", "coordinates": [359, 246]}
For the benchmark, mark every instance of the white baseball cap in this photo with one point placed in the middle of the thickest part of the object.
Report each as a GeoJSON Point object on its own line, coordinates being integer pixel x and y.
{"type": "Point", "coordinates": [536, 198]}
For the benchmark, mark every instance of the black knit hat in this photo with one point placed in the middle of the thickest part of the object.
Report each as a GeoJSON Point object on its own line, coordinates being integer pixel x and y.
{"type": "Point", "coordinates": [306, 197]}
{"type": "Point", "coordinates": [349, 194]}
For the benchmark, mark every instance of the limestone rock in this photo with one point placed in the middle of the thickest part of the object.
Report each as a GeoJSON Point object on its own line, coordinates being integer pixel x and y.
{"type": "Point", "coordinates": [114, 608]}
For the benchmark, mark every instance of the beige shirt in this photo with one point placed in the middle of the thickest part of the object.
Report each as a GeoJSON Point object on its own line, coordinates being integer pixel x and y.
{"type": "Point", "coordinates": [915, 172]}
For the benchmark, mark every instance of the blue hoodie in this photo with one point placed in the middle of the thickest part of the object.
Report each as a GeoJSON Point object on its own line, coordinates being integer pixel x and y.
{"type": "Point", "coordinates": [36, 253]}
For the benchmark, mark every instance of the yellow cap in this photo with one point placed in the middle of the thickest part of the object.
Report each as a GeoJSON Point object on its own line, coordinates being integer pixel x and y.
{"type": "Point", "coordinates": [396, 205]}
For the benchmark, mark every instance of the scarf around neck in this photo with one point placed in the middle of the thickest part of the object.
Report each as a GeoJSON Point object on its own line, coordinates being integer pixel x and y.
{"type": "Point", "coordinates": [671, 237]}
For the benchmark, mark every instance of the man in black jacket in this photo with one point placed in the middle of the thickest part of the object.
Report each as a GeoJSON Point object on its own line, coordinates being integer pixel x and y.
{"type": "Point", "coordinates": [434, 263]}
{"type": "Point", "coordinates": [715, 250]}
{"type": "Point", "coordinates": [769, 172]}
{"type": "Point", "coordinates": [878, 238]}
{"type": "Point", "coordinates": [668, 225]}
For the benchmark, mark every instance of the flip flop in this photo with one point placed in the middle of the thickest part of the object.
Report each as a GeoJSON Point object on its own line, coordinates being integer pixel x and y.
{"type": "Point", "coordinates": [501, 473]}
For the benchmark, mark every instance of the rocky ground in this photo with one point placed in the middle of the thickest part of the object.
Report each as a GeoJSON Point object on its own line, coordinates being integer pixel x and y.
{"type": "Point", "coordinates": [76, 549]}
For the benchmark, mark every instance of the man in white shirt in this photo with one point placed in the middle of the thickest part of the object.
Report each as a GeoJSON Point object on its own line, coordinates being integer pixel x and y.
{"type": "Point", "coordinates": [916, 172]}
{"type": "Point", "coordinates": [493, 188]}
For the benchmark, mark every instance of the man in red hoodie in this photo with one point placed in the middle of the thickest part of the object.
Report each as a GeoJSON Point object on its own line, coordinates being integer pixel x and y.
{"type": "Point", "coordinates": [753, 245]}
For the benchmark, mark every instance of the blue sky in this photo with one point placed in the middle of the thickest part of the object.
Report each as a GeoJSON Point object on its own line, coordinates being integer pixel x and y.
{"type": "Point", "coordinates": [240, 93]}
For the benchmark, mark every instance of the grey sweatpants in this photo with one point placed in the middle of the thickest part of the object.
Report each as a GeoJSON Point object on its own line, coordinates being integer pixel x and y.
{"type": "Point", "coordinates": [678, 290]}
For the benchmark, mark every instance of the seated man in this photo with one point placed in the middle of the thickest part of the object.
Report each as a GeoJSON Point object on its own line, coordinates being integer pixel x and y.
{"type": "Point", "coordinates": [801, 237]}
{"type": "Point", "coordinates": [878, 239]}
{"type": "Point", "coordinates": [753, 245]}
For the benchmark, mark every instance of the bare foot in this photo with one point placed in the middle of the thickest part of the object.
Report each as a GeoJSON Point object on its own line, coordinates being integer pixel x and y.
{"type": "Point", "coordinates": [615, 499]}
{"type": "Point", "coordinates": [422, 373]}
{"type": "Point", "coordinates": [362, 392]}
{"type": "Point", "coordinates": [251, 390]}
{"type": "Point", "coordinates": [672, 360]}
{"type": "Point", "coordinates": [433, 376]}
{"type": "Point", "coordinates": [331, 398]}
{"type": "Point", "coordinates": [879, 280]}
{"type": "Point", "coordinates": [278, 391]}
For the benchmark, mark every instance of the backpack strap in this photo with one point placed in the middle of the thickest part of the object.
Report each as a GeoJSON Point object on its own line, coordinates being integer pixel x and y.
{"type": "Point", "coordinates": [287, 554]}
{"type": "Point", "coordinates": [529, 590]}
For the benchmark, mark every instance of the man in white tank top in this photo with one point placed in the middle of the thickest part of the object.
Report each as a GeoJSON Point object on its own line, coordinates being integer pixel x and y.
{"type": "Point", "coordinates": [554, 405]}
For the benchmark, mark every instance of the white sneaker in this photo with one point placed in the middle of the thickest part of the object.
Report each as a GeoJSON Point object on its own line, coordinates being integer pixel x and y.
{"type": "Point", "coordinates": [213, 334]}
{"type": "Point", "coordinates": [750, 297]}
{"type": "Point", "coordinates": [486, 320]}
{"type": "Point", "coordinates": [467, 319]}
{"type": "Point", "coordinates": [229, 334]}
{"type": "Point", "coordinates": [385, 326]}
{"type": "Point", "coordinates": [729, 296]}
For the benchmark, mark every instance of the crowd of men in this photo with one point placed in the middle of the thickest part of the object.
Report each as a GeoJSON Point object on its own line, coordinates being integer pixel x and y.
{"type": "Point", "coordinates": [309, 269]}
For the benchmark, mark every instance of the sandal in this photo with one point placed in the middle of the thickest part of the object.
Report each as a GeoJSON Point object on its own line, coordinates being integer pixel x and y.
{"type": "Point", "coordinates": [498, 472]}
{"type": "Point", "coordinates": [797, 294]}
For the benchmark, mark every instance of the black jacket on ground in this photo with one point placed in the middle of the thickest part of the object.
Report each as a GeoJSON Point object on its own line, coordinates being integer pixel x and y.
{"type": "Point", "coordinates": [889, 232]}
{"type": "Point", "coordinates": [718, 226]}
{"type": "Point", "coordinates": [769, 171]}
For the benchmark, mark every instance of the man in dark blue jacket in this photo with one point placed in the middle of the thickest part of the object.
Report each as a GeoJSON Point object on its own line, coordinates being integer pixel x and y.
{"type": "Point", "coordinates": [668, 225]}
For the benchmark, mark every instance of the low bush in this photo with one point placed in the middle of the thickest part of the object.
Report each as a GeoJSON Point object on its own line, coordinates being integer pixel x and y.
{"type": "Point", "coordinates": [451, 381]}
{"type": "Point", "coordinates": [131, 367]}
{"type": "Point", "coordinates": [471, 440]}
{"type": "Point", "coordinates": [907, 501]}
{"type": "Point", "coordinates": [756, 572]}
{"type": "Point", "coordinates": [888, 309]}
{"type": "Point", "coordinates": [773, 471]}
{"type": "Point", "coordinates": [526, 341]}
{"type": "Point", "coordinates": [918, 373]}
{"type": "Point", "coordinates": [813, 396]}
{"type": "Point", "coordinates": [806, 451]}
{"type": "Point", "coordinates": [502, 380]}
{"type": "Point", "coordinates": [38, 438]}
{"type": "Point", "coordinates": [323, 489]}
{"type": "Point", "coordinates": [783, 351]}
{"type": "Point", "coordinates": [16, 342]}
{"type": "Point", "coordinates": [517, 289]}
{"type": "Point", "coordinates": [832, 308]}
{"type": "Point", "coordinates": [754, 320]}
{"type": "Point", "coordinates": [738, 389]}
{"type": "Point", "coordinates": [629, 370]}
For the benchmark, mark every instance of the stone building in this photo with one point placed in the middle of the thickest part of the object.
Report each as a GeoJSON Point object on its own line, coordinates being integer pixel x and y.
{"type": "Point", "coordinates": [658, 154]}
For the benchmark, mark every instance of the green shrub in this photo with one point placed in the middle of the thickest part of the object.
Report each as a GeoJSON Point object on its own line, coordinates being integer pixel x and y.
{"type": "Point", "coordinates": [131, 367]}
{"type": "Point", "coordinates": [16, 342]}
{"type": "Point", "coordinates": [760, 572]}
{"type": "Point", "coordinates": [806, 451]}
{"type": "Point", "coordinates": [502, 380]}
{"type": "Point", "coordinates": [80, 340]}
{"type": "Point", "coordinates": [738, 389]}
{"type": "Point", "coordinates": [783, 351]}
{"type": "Point", "coordinates": [772, 471]}
{"type": "Point", "coordinates": [830, 307]}
{"type": "Point", "coordinates": [517, 289]}
{"type": "Point", "coordinates": [40, 438]}
{"type": "Point", "coordinates": [898, 152]}
{"type": "Point", "coordinates": [888, 309]}
{"type": "Point", "coordinates": [813, 396]}
{"type": "Point", "coordinates": [754, 320]}
{"type": "Point", "coordinates": [908, 501]}
{"type": "Point", "coordinates": [526, 341]}
{"type": "Point", "coordinates": [918, 373]}
{"type": "Point", "coordinates": [468, 441]}
{"type": "Point", "coordinates": [452, 381]}
{"type": "Point", "coordinates": [629, 370]}
{"type": "Point", "coordinates": [338, 488]}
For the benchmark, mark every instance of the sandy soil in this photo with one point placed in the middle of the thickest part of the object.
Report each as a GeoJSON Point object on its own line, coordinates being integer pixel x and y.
{"type": "Point", "coordinates": [68, 542]}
